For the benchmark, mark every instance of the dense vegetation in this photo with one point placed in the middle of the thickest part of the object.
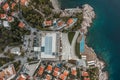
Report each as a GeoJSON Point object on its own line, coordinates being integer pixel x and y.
{"type": "Point", "coordinates": [94, 73]}
{"type": "Point", "coordinates": [17, 65]}
{"type": "Point", "coordinates": [77, 25]}
{"type": "Point", "coordinates": [4, 60]}
{"type": "Point", "coordinates": [12, 37]}
{"type": "Point", "coordinates": [70, 36]}
{"type": "Point", "coordinates": [36, 12]}
{"type": "Point", "coordinates": [77, 49]}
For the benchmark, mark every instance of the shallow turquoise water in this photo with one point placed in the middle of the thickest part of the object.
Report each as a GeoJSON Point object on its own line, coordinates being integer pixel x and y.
{"type": "Point", "coordinates": [104, 35]}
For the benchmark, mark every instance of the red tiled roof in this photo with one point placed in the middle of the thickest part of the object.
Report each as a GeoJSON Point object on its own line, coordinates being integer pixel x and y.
{"type": "Point", "coordinates": [49, 68]}
{"type": "Point", "coordinates": [56, 69]}
{"type": "Point", "coordinates": [85, 73]}
{"type": "Point", "coordinates": [23, 2]}
{"type": "Point", "coordinates": [55, 73]}
{"type": "Point", "coordinates": [48, 23]}
{"type": "Point", "coordinates": [21, 25]}
{"type": "Point", "coordinates": [41, 69]}
{"type": "Point", "coordinates": [74, 72]}
{"type": "Point", "coordinates": [6, 6]}
{"type": "Point", "coordinates": [21, 77]}
{"type": "Point", "coordinates": [2, 16]}
{"type": "Point", "coordinates": [60, 23]}
{"type": "Point", "coordinates": [48, 77]}
{"type": "Point", "coordinates": [13, 5]}
{"type": "Point", "coordinates": [2, 74]}
{"type": "Point", "coordinates": [65, 73]}
{"type": "Point", "coordinates": [7, 72]}
{"type": "Point", "coordinates": [70, 21]}
{"type": "Point", "coordinates": [10, 19]}
{"type": "Point", "coordinates": [1, 79]}
{"type": "Point", "coordinates": [62, 76]}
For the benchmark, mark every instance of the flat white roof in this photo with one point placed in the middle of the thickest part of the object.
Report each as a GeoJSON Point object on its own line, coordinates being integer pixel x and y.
{"type": "Point", "coordinates": [6, 24]}
{"type": "Point", "coordinates": [49, 43]}
{"type": "Point", "coordinates": [37, 49]}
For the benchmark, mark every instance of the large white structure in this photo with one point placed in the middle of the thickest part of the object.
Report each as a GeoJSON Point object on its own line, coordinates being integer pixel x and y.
{"type": "Point", "coordinates": [16, 51]}
{"type": "Point", "coordinates": [48, 45]}
{"type": "Point", "coordinates": [6, 24]}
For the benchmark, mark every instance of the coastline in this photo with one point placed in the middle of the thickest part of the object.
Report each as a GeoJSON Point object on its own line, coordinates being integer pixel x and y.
{"type": "Point", "coordinates": [86, 24]}
{"type": "Point", "coordinates": [103, 75]}
{"type": "Point", "coordinates": [55, 4]}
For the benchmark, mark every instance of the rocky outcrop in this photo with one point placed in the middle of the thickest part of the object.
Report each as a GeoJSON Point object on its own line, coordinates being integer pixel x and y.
{"type": "Point", "coordinates": [88, 16]}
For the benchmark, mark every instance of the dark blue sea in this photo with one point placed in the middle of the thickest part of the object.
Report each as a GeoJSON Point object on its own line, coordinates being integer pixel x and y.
{"type": "Point", "coordinates": [104, 35]}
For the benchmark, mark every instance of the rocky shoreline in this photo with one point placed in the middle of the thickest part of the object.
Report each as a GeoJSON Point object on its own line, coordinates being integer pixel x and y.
{"type": "Point", "coordinates": [88, 16]}
{"type": "Point", "coordinates": [103, 75]}
{"type": "Point", "coordinates": [55, 4]}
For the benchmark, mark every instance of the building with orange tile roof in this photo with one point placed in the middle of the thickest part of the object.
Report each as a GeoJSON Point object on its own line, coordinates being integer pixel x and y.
{"type": "Point", "coordinates": [6, 7]}
{"type": "Point", "coordinates": [10, 19]}
{"type": "Point", "coordinates": [56, 69]}
{"type": "Point", "coordinates": [47, 23]}
{"type": "Point", "coordinates": [84, 73]}
{"type": "Point", "coordinates": [41, 70]}
{"type": "Point", "coordinates": [70, 21]}
{"type": "Point", "coordinates": [60, 23]}
{"type": "Point", "coordinates": [2, 75]}
{"type": "Point", "coordinates": [49, 68]}
{"type": "Point", "coordinates": [56, 73]}
{"type": "Point", "coordinates": [74, 72]}
{"type": "Point", "coordinates": [48, 77]}
{"type": "Point", "coordinates": [13, 5]}
{"type": "Point", "coordinates": [3, 16]}
{"type": "Point", "coordinates": [24, 2]}
{"type": "Point", "coordinates": [21, 25]}
{"type": "Point", "coordinates": [66, 73]}
{"type": "Point", "coordinates": [22, 77]}
{"type": "Point", "coordinates": [8, 73]}
{"type": "Point", "coordinates": [1, 79]}
{"type": "Point", "coordinates": [62, 76]}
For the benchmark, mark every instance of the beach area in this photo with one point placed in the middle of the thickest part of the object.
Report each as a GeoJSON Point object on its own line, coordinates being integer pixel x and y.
{"type": "Point", "coordinates": [86, 24]}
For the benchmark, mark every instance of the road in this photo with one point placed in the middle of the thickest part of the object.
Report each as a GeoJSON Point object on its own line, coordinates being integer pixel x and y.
{"type": "Point", "coordinates": [23, 60]}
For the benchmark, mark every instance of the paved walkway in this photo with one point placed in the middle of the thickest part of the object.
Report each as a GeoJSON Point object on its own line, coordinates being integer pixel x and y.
{"type": "Point", "coordinates": [69, 50]}
{"type": "Point", "coordinates": [66, 47]}
{"type": "Point", "coordinates": [73, 45]}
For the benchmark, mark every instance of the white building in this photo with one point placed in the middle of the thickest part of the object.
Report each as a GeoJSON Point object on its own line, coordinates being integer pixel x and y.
{"type": "Point", "coordinates": [48, 45]}
{"type": "Point", "coordinates": [6, 24]}
{"type": "Point", "coordinates": [15, 50]}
